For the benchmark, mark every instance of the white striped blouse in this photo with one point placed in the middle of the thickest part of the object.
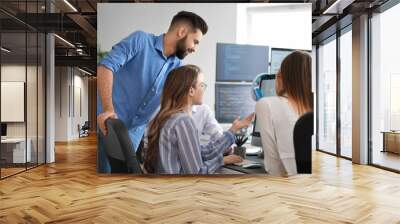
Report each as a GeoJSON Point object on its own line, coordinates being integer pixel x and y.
{"type": "Point", "coordinates": [180, 151]}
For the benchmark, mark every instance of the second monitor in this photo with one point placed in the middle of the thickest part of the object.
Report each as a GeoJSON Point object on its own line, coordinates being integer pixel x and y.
{"type": "Point", "coordinates": [277, 56]}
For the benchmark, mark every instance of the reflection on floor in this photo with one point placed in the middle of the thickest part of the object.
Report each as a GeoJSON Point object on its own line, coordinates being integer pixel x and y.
{"type": "Point", "coordinates": [346, 152]}
{"type": "Point", "coordinates": [10, 171]}
{"type": "Point", "coordinates": [5, 172]}
{"type": "Point", "coordinates": [386, 159]}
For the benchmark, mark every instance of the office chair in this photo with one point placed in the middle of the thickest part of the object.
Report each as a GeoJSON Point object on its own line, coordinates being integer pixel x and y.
{"type": "Point", "coordinates": [86, 126]}
{"type": "Point", "coordinates": [84, 129]}
{"type": "Point", "coordinates": [119, 148]}
{"type": "Point", "coordinates": [302, 134]}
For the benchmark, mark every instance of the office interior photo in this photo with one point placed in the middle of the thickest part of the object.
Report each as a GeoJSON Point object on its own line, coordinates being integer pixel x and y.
{"type": "Point", "coordinates": [243, 51]}
{"type": "Point", "coordinates": [49, 54]}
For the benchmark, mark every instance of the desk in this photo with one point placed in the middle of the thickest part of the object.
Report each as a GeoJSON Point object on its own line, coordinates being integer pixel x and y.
{"type": "Point", "coordinates": [391, 141]}
{"type": "Point", "coordinates": [233, 169]}
{"type": "Point", "coordinates": [13, 150]}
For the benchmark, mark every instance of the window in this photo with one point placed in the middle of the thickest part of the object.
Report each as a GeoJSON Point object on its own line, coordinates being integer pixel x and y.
{"type": "Point", "coordinates": [346, 93]}
{"type": "Point", "coordinates": [327, 96]}
{"type": "Point", "coordinates": [22, 66]}
{"type": "Point", "coordinates": [385, 88]}
{"type": "Point", "coordinates": [257, 24]}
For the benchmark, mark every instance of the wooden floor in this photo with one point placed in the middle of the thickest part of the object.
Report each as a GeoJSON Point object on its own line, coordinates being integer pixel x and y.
{"type": "Point", "coordinates": [5, 172]}
{"type": "Point", "coordinates": [70, 191]}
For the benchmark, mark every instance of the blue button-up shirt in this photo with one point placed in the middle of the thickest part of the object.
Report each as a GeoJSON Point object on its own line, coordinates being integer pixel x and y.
{"type": "Point", "coordinates": [140, 69]}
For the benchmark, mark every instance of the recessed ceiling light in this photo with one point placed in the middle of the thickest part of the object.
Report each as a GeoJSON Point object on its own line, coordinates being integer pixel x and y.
{"type": "Point", "coordinates": [338, 6]}
{"type": "Point", "coordinates": [5, 50]}
{"type": "Point", "coordinates": [70, 5]}
{"type": "Point", "coordinates": [64, 40]}
{"type": "Point", "coordinates": [86, 72]}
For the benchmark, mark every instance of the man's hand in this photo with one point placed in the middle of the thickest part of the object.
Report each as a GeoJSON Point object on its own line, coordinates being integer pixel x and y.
{"type": "Point", "coordinates": [104, 87]}
{"type": "Point", "coordinates": [101, 120]}
{"type": "Point", "coordinates": [231, 159]}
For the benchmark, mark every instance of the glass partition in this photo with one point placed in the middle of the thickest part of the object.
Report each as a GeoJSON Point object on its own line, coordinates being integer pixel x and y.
{"type": "Point", "coordinates": [327, 96]}
{"type": "Point", "coordinates": [385, 89]}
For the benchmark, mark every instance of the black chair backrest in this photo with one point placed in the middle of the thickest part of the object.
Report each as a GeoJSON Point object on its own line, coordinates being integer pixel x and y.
{"type": "Point", "coordinates": [119, 148]}
{"type": "Point", "coordinates": [86, 125]}
{"type": "Point", "coordinates": [140, 151]}
{"type": "Point", "coordinates": [302, 134]}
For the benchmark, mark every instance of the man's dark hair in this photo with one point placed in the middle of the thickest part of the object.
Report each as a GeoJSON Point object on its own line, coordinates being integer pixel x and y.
{"type": "Point", "coordinates": [194, 20]}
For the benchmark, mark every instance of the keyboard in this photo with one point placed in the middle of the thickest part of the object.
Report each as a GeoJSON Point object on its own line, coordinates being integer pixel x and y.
{"type": "Point", "coordinates": [246, 162]}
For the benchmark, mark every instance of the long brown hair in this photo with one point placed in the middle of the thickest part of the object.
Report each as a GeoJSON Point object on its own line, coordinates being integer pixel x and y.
{"type": "Point", "coordinates": [174, 99]}
{"type": "Point", "coordinates": [295, 75]}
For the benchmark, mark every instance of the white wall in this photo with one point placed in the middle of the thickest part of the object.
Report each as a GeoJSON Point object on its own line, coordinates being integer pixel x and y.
{"type": "Point", "coordinates": [66, 100]}
{"type": "Point", "coordinates": [61, 103]}
{"type": "Point", "coordinates": [155, 18]}
{"type": "Point", "coordinates": [80, 83]}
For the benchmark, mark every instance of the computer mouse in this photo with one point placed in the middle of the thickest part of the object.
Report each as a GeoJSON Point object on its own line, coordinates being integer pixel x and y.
{"type": "Point", "coordinates": [252, 166]}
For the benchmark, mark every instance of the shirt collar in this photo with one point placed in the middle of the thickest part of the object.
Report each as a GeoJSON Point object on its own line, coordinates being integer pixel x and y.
{"type": "Point", "coordinates": [194, 109]}
{"type": "Point", "coordinates": [159, 45]}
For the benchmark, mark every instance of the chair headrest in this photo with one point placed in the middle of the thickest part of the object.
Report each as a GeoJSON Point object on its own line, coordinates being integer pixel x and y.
{"type": "Point", "coordinates": [117, 142]}
{"type": "Point", "coordinates": [111, 141]}
{"type": "Point", "coordinates": [306, 123]}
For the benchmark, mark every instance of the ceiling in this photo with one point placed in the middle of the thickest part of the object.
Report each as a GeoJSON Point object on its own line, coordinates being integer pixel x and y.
{"type": "Point", "coordinates": [76, 22]}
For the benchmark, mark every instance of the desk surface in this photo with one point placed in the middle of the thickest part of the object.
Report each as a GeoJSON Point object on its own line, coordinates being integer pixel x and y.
{"type": "Point", "coordinates": [248, 171]}
{"type": "Point", "coordinates": [390, 132]}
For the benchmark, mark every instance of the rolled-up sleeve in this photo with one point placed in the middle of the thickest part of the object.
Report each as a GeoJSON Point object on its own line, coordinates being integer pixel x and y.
{"type": "Point", "coordinates": [217, 147]}
{"type": "Point", "coordinates": [123, 51]}
{"type": "Point", "coordinates": [195, 158]}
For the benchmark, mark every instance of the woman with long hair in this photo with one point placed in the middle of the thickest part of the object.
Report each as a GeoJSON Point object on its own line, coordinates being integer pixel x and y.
{"type": "Point", "coordinates": [277, 115]}
{"type": "Point", "coordinates": [173, 139]}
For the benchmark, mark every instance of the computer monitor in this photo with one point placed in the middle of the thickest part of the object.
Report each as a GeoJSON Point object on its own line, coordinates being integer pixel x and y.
{"type": "Point", "coordinates": [267, 84]}
{"type": "Point", "coordinates": [3, 129]}
{"type": "Point", "coordinates": [233, 100]}
{"type": "Point", "coordinates": [277, 56]}
{"type": "Point", "coordinates": [240, 62]}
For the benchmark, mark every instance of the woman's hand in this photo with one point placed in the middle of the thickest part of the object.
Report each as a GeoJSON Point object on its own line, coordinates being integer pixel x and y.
{"type": "Point", "coordinates": [231, 159]}
{"type": "Point", "coordinates": [239, 124]}
{"type": "Point", "coordinates": [228, 151]}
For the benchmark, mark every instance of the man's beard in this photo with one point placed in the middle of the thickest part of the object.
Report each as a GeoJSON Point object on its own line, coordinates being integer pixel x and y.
{"type": "Point", "coordinates": [181, 50]}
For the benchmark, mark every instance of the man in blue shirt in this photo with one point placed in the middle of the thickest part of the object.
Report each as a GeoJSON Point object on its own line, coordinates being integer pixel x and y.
{"type": "Point", "coordinates": [131, 77]}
